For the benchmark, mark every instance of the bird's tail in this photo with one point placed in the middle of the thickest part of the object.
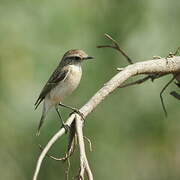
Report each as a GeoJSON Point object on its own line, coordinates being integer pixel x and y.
{"type": "Point", "coordinates": [44, 112]}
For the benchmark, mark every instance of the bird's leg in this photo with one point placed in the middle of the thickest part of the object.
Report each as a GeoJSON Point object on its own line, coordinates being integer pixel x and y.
{"type": "Point", "coordinates": [74, 110]}
{"type": "Point", "coordinates": [66, 127]}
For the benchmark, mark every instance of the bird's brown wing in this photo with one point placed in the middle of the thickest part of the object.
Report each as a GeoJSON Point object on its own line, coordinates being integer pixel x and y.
{"type": "Point", "coordinates": [58, 75]}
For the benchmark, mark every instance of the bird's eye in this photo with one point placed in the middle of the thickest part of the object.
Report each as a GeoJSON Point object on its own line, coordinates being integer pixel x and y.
{"type": "Point", "coordinates": [77, 58]}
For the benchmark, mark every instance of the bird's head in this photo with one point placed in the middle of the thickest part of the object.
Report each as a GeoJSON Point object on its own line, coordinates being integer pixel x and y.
{"type": "Point", "coordinates": [75, 56]}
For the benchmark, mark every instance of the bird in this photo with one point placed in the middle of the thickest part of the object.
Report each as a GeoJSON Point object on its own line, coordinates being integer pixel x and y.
{"type": "Point", "coordinates": [63, 81]}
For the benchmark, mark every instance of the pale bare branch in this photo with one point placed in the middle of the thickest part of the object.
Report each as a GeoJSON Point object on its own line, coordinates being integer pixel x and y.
{"type": "Point", "coordinates": [84, 165]}
{"type": "Point", "coordinates": [49, 145]}
{"type": "Point", "coordinates": [160, 66]}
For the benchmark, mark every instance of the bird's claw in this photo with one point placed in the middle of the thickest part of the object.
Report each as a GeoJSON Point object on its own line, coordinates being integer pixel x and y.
{"type": "Point", "coordinates": [78, 112]}
{"type": "Point", "coordinates": [66, 127]}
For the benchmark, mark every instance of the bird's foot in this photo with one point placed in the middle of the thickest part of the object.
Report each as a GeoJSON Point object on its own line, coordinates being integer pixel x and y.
{"type": "Point", "coordinates": [66, 127]}
{"type": "Point", "coordinates": [78, 112]}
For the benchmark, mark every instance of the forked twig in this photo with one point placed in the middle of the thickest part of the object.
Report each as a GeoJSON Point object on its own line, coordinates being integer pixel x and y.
{"type": "Point", "coordinates": [115, 46]}
{"type": "Point", "coordinates": [140, 81]}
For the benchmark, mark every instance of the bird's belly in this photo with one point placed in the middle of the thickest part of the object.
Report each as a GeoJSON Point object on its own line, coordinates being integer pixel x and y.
{"type": "Point", "coordinates": [66, 87]}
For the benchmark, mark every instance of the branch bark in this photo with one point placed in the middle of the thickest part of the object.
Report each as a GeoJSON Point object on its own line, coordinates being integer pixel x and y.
{"type": "Point", "coordinates": [169, 65]}
{"type": "Point", "coordinates": [84, 165]}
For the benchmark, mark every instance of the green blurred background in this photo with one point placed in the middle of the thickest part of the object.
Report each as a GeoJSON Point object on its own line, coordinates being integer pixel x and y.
{"type": "Point", "coordinates": [131, 138]}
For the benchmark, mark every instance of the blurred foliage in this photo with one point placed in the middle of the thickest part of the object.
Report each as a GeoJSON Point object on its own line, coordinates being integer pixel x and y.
{"type": "Point", "coordinates": [131, 138]}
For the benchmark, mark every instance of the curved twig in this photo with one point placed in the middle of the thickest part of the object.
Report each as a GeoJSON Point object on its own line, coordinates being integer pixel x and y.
{"type": "Point", "coordinates": [55, 158]}
{"type": "Point", "coordinates": [89, 141]}
{"type": "Point", "coordinates": [117, 47]}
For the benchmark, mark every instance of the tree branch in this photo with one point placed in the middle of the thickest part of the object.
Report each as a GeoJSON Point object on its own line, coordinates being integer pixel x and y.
{"type": "Point", "coordinates": [49, 145]}
{"type": "Point", "coordinates": [84, 165]}
{"type": "Point", "coordinates": [160, 66]}
{"type": "Point", "coordinates": [162, 101]}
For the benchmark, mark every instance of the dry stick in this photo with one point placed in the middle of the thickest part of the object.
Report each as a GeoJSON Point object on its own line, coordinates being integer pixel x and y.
{"type": "Point", "coordinates": [66, 157]}
{"type": "Point", "coordinates": [89, 141]}
{"type": "Point", "coordinates": [71, 146]}
{"type": "Point", "coordinates": [177, 51]}
{"type": "Point", "coordinates": [140, 81]}
{"type": "Point", "coordinates": [160, 66]}
{"type": "Point", "coordinates": [117, 47]}
{"type": "Point", "coordinates": [67, 170]}
{"type": "Point", "coordinates": [55, 158]}
{"type": "Point", "coordinates": [162, 101]}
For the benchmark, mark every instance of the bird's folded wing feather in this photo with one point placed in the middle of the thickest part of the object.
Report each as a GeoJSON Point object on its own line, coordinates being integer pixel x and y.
{"type": "Point", "coordinates": [58, 75]}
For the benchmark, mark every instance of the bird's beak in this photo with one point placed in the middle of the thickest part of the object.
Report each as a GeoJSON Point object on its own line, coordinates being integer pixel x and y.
{"type": "Point", "coordinates": [89, 57]}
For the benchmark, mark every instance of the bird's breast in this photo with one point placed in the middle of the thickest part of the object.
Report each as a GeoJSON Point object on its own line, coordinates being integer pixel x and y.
{"type": "Point", "coordinates": [68, 85]}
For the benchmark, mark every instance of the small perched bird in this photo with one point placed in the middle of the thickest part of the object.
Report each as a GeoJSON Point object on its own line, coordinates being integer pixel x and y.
{"type": "Point", "coordinates": [63, 81]}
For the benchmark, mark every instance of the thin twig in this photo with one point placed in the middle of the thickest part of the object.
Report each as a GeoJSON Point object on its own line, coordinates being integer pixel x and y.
{"type": "Point", "coordinates": [142, 80]}
{"type": "Point", "coordinates": [152, 77]}
{"type": "Point", "coordinates": [162, 101]}
{"type": "Point", "coordinates": [115, 46]}
{"type": "Point", "coordinates": [139, 81]}
{"type": "Point", "coordinates": [177, 51]}
{"type": "Point", "coordinates": [67, 170]}
{"type": "Point", "coordinates": [55, 158]}
{"type": "Point", "coordinates": [89, 141]}
{"type": "Point", "coordinates": [71, 145]}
